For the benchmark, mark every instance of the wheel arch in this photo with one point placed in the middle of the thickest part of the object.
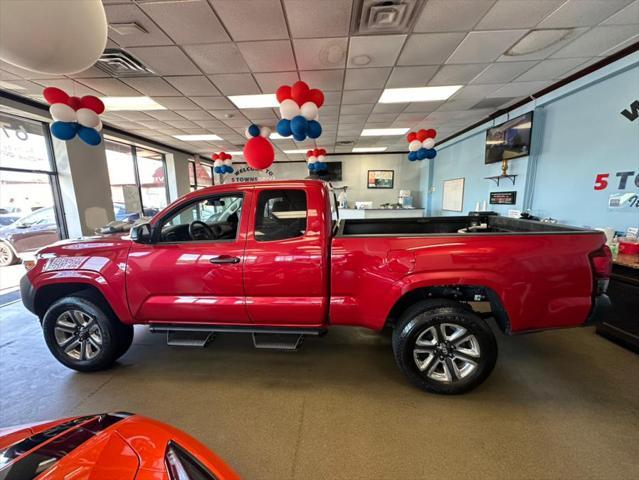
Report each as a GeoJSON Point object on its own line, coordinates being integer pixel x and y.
{"type": "Point", "coordinates": [46, 295]}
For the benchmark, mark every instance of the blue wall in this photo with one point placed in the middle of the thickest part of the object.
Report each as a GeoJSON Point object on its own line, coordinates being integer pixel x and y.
{"type": "Point", "coordinates": [578, 132]}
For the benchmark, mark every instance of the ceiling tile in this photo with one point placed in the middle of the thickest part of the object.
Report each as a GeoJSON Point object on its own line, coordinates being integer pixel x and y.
{"type": "Point", "coordinates": [129, 13]}
{"type": "Point", "coordinates": [182, 124]}
{"type": "Point", "coordinates": [597, 41]}
{"type": "Point", "coordinates": [429, 48]}
{"type": "Point", "coordinates": [24, 87]}
{"type": "Point", "coordinates": [444, 15]}
{"type": "Point", "coordinates": [217, 58]}
{"type": "Point", "coordinates": [366, 78]}
{"type": "Point", "coordinates": [356, 109]}
{"type": "Point", "coordinates": [252, 19]}
{"type": "Point", "coordinates": [176, 103]}
{"type": "Point", "coordinates": [26, 74]}
{"type": "Point", "coordinates": [456, 105]}
{"type": "Point", "coordinates": [187, 22]}
{"type": "Point", "coordinates": [424, 107]}
{"type": "Point", "coordinates": [165, 60]}
{"type": "Point", "coordinates": [195, 114]}
{"type": "Point", "coordinates": [271, 56]}
{"type": "Point", "coordinates": [164, 115]}
{"type": "Point", "coordinates": [91, 72]}
{"type": "Point", "coordinates": [476, 91]}
{"type": "Point", "coordinates": [193, 85]}
{"type": "Point", "coordinates": [581, 13]}
{"type": "Point", "coordinates": [320, 53]}
{"type": "Point", "coordinates": [70, 86]}
{"type": "Point", "coordinates": [213, 103]}
{"type": "Point", "coordinates": [270, 82]}
{"type": "Point", "coordinates": [519, 89]}
{"type": "Point", "coordinates": [377, 50]}
{"type": "Point", "coordinates": [235, 83]}
{"type": "Point", "coordinates": [517, 14]}
{"type": "Point", "coordinates": [628, 15]}
{"type": "Point", "coordinates": [411, 76]}
{"type": "Point", "coordinates": [152, 86]}
{"type": "Point", "coordinates": [544, 53]}
{"type": "Point", "coordinates": [312, 18]}
{"type": "Point", "coordinates": [134, 116]}
{"type": "Point", "coordinates": [502, 72]}
{"type": "Point", "coordinates": [110, 86]}
{"type": "Point", "coordinates": [485, 47]}
{"type": "Point", "coordinates": [550, 69]}
{"type": "Point", "coordinates": [389, 107]}
{"type": "Point", "coordinates": [457, 74]}
{"type": "Point", "coordinates": [326, 80]}
{"type": "Point", "coordinates": [352, 97]}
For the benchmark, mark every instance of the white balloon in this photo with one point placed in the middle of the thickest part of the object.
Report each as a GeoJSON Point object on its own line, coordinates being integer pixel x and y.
{"type": "Point", "coordinates": [321, 158]}
{"type": "Point", "coordinates": [228, 162]}
{"type": "Point", "coordinates": [61, 112]}
{"type": "Point", "coordinates": [414, 146]}
{"type": "Point", "coordinates": [429, 143]}
{"type": "Point", "coordinates": [99, 127]}
{"type": "Point", "coordinates": [247, 134]}
{"type": "Point", "coordinates": [54, 36]}
{"type": "Point", "coordinates": [289, 109]}
{"type": "Point", "coordinates": [309, 111]}
{"type": "Point", "coordinates": [218, 163]}
{"type": "Point", "coordinates": [265, 132]}
{"type": "Point", "coordinates": [88, 118]}
{"type": "Point", "coordinates": [312, 159]}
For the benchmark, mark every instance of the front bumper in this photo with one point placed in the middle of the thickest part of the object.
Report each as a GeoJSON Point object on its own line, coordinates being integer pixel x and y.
{"type": "Point", "coordinates": [27, 292]}
{"type": "Point", "coordinates": [600, 306]}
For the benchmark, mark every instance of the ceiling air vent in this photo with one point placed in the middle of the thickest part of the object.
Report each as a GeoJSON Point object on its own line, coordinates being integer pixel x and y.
{"type": "Point", "coordinates": [375, 17]}
{"type": "Point", "coordinates": [118, 63]}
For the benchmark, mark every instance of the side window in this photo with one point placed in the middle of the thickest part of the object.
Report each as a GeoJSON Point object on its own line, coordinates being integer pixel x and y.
{"type": "Point", "coordinates": [208, 219]}
{"type": "Point", "coordinates": [280, 214]}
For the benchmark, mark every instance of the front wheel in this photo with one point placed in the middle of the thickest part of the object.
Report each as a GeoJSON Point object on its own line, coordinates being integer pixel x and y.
{"type": "Point", "coordinates": [444, 349]}
{"type": "Point", "coordinates": [7, 257]}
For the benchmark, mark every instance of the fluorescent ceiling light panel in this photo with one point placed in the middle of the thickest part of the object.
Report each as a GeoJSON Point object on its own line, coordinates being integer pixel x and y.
{"type": "Point", "coordinates": [418, 94]}
{"type": "Point", "coordinates": [236, 153]}
{"type": "Point", "coordinates": [197, 138]}
{"type": "Point", "coordinates": [288, 152]}
{"type": "Point", "coordinates": [267, 100]}
{"type": "Point", "coordinates": [369, 149]}
{"type": "Point", "coordinates": [382, 132]}
{"type": "Point", "coordinates": [10, 86]}
{"type": "Point", "coordinates": [113, 104]}
{"type": "Point", "coordinates": [277, 136]}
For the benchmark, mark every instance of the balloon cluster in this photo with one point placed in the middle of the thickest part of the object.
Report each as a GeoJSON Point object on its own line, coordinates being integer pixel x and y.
{"type": "Point", "coordinates": [299, 109]}
{"type": "Point", "coordinates": [222, 162]}
{"type": "Point", "coordinates": [316, 160]}
{"type": "Point", "coordinates": [258, 151]}
{"type": "Point", "coordinates": [74, 116]}
{"type": "Point", "coordinates": [421, 144]}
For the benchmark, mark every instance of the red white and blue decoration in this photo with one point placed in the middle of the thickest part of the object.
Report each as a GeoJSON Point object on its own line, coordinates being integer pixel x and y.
{"type": "Point", "coordinates": [299, 109]}
{"type": "Point", "coordinates": [421, 144]}
{"type": "Point", "coordinates": [258, 151]}
{"type": "Point", "coordinates": [222, 162]}
{"type": "Point", "coordinates": [316, 160]}
{"type": "Point", "coordinates": [74, 116]}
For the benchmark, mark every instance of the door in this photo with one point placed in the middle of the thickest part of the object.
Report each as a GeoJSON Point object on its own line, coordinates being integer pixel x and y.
{"type": "Point", "coordinates": [285, 264]}
{"type": "Point", "coordinates": [193, 271]}
{"type": "Point", "coordinates": [35, 231]}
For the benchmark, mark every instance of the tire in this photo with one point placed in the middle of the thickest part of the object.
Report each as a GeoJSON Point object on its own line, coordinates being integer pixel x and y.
{"type": "Point", "coordinates": [443, 347]}
{"type": "Point", "coordinates": [7, 256]}
{"type": "Point", "coordinates": [81, 335]}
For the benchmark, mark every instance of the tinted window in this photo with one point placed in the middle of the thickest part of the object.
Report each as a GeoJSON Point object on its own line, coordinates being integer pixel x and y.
{"type": "Point", "coordinates": [280, 214]}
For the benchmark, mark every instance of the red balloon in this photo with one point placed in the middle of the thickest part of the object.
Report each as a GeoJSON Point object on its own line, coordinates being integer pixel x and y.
{"type": "Point", "coordinates": [309, 153]}
{"type": "Point", "coordinates": [55, 95]}
{"type": "Point", "coordinates": [283, 93]}
{"type": "Point", "coordinates": [74, 103]}
{"type": "Point", "coordinates": [92, 103]}
{"type": "Point", "coordinates": [322, 151]}
{"type": "Point", "coordinates": [215, 156]}
{"type": "Point", "coordinates": [316, 96]}
{"type": "Point", "coordinates": [421, 135]}
{"type": "Point", "coordinates": [299, 92]}
{"type": "Point", "coordinates": [411, 136]}
{"type": "Point", "coordinates": [431, 133]}
{"type": "Point", "coordinates": [259, 153]}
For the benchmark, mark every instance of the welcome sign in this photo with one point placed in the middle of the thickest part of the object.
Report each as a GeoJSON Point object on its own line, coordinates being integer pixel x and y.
{"type": "Point", "coordinates": [248, 174]}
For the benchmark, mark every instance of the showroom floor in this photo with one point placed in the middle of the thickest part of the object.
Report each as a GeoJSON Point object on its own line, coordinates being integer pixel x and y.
{"type": "Point", "coordinates": [560, 404]}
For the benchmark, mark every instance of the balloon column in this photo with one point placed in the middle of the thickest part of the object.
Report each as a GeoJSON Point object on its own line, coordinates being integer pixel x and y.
{"type": "Point", "coordinates": [299, 109]}
{"type": "Point", "coordinates": [74, 116]}
{"type": "Point", "coordinates": [258, 151]}
{"type": "Point", "coordinates": [421, 144]}
{"type": "Point", "coordinates": [316, 160]}
{"type": "Point", "coordinates": [222, 162]}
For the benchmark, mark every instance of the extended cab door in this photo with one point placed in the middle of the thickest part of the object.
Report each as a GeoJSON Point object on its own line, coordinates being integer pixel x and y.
{"type": "Point", "coordinates": [192, 273]}
{"type": "Point", "coordinates": [285, 270]}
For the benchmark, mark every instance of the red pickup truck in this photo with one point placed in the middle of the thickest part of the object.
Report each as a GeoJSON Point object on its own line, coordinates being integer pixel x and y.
{"type": "Point", "coordinates": [273, 259]}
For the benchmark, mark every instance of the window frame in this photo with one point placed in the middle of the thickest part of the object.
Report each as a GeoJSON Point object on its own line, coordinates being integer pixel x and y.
{"type": "Point", "coordinates": [260, 214]}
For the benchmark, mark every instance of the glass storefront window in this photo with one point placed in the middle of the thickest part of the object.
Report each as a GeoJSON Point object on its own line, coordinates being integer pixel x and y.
{"type": "Point", "coordinates": [23, 144]}
{"type": "Point", "coordinates": [200, 175]}
{"type": "Point", "coordinates": [152, 179]}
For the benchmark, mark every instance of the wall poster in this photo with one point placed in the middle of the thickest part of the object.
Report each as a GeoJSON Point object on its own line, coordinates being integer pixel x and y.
{"type": "Point", "coordinates": [381, 178]}
{"type": "Point", "coordinates": [453, 195]}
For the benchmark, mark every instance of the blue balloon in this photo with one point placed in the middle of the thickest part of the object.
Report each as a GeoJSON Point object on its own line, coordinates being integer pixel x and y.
{"type": "Point", "coordinates": [254, 130]}
{"type": "Point", "coordinates": [284, 128]}
{"type": "Point", "coordinates": [421, 154]}
{"type": "Point", "coordinates": [314, 129]}
{"type": "Point", "coordinates": [64, 130]}
{"type": "Point", "coordinates": [228, 169]}
{"type": "Point", "coordinates": [299, 125]}
{"type": "Point", "coordinates": [311, 166]}
{"type": "Point", "coordinates": [90, 136]}
{"type": "Point", "coordinates": [431, 153]}
{"type": "Point", "coordinates": [412, 156]}
{"type": "Point", "coordinates": [299, 138]}
{"type": "Point", "coordinates": [320, 167]}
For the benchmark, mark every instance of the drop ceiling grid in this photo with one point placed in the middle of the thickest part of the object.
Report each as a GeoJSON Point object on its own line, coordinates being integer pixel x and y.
{"type": "Point", "coordinates": [487, 16]}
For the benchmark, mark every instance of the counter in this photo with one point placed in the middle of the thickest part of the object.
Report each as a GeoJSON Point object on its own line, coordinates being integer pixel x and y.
{"type": "Point", "coordinates": [353, 213]}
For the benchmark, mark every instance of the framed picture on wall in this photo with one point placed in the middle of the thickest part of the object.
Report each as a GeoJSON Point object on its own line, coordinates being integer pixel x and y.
{"type": "Point", "coordinates": [381, 179]}
{"type": "Point", "coordinates": [453, 195]}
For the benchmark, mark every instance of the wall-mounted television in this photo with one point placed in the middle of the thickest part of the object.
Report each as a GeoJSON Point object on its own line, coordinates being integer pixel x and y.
{"type": "Point", "coordinates": [509, 140]}
{"type": "Point", "coordinates": [333, 172]}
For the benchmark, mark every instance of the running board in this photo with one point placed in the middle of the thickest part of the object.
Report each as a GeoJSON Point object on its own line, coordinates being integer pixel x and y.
{"type": "Point", "coordinates": [189, 339]}
{"type": "Point", "coordinates": [277, 341]}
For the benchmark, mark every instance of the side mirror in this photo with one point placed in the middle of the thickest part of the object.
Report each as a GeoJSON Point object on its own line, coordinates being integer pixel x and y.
{"type": "Point", "coordinates": [23, 225]}
{"type": "Point", "coordinates": [141, 233]}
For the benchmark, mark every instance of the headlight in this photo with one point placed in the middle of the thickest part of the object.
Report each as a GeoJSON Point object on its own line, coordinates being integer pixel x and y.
{"type": "Point", "coordinates": [181, 465]}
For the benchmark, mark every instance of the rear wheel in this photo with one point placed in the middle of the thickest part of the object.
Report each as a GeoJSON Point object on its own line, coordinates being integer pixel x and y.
{"type": "Point", "coordinates": [443, 347]}
{"type": "Point", "coordinates": [7, 257]}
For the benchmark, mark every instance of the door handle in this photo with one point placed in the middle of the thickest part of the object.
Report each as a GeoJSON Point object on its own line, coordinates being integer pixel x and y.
{"type": "Point", "coordinates": [224, 259]}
